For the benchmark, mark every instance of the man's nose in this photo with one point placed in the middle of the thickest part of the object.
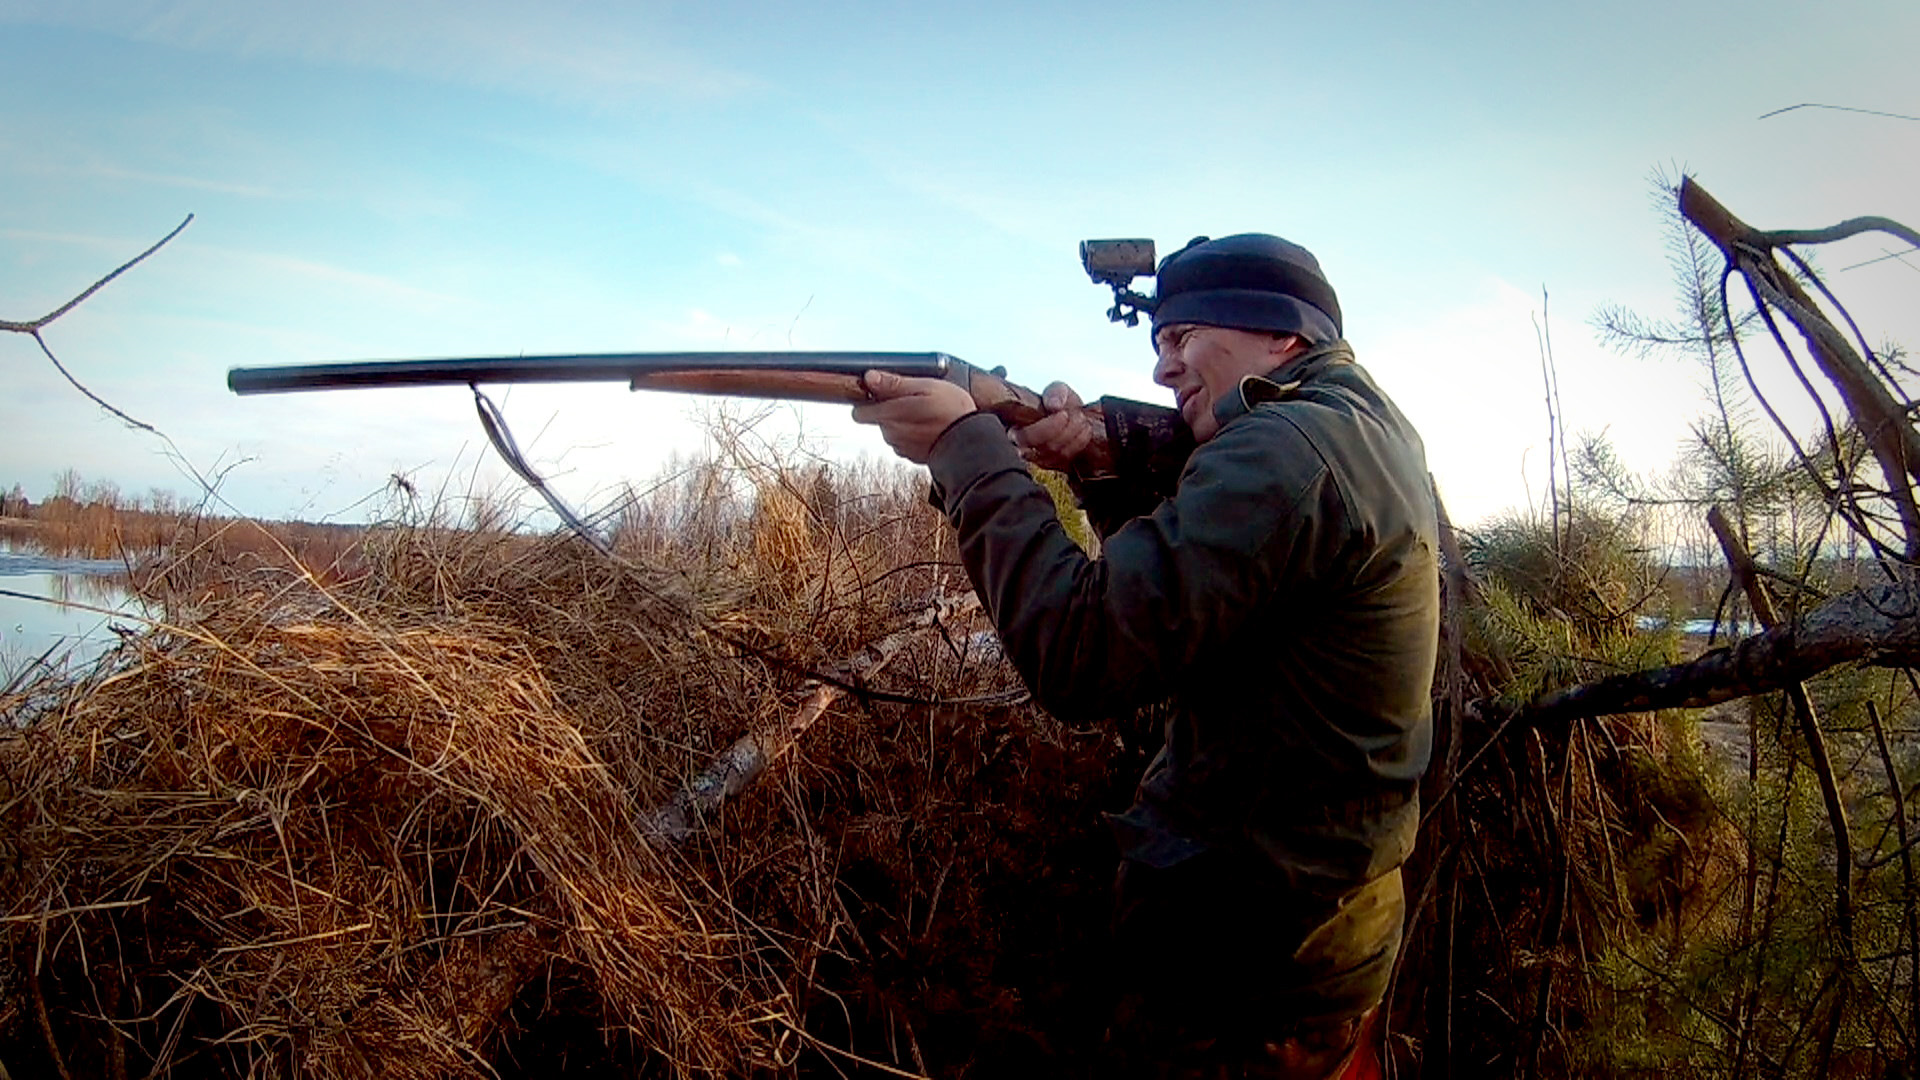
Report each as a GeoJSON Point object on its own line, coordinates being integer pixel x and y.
{"type": "Point", "coordinates": [1166, 365]}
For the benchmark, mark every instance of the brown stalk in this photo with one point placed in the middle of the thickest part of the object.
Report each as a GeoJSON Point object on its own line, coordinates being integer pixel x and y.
{"type": "Point", "coordinates": [46, 1026]}
{"type": "Point", "coordinates": [1751, 899]}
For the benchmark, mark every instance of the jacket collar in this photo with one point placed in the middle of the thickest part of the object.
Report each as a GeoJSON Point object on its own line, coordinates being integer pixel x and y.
{"type": "Point", "coordinates": [1282, 382]}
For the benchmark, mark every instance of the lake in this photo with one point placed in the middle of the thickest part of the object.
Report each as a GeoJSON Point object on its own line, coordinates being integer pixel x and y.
{"type": "Point", "coordinates": [47, 605]}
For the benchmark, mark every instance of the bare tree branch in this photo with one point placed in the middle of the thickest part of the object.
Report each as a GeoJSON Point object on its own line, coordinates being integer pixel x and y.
{"type": "Point", "coordinates": [1849, 227]}
{"type": "Point", "coordinates": [1838, 108]}
{"type": "Point", "coordinates": [750, 756]}
{"type": "Point", "coordinates": [34, 326]}
{"type": "Point", "coordinates": [91, 396]}
{"type": "Point", "coordinates": [1748, 251]}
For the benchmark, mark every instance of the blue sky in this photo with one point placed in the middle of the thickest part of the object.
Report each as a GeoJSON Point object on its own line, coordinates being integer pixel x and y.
{"type": "Point", "coordinates": [375, 180]}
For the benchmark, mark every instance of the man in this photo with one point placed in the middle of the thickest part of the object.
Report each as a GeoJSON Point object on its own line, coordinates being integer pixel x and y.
{"type": "Point", "coordinates": [1284, 596]}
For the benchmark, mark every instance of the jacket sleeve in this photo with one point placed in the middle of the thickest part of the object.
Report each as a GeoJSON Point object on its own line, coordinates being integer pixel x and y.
{"type": "Point", "coordinates": [1150, 446]}
{"type": "Point", "coordinates": [1112, 501]}
{"type": "Point", "coordinates": [1253, 511]}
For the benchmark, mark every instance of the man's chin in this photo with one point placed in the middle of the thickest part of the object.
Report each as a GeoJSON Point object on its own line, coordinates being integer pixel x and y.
{"type": "Point", "coordinates": [1202, 425]}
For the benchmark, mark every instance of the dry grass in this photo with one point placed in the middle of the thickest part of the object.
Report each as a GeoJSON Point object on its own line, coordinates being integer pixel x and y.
{"type": "Point", "coordinates": [391, 826]}
{"type": "Point", "coordinates": [395, 823]}
{"type": "Point", "coordinates": [287, 810]}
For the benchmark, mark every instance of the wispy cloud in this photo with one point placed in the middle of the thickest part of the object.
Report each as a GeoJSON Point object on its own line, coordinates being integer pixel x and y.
{"type": "Point", "coordinates": [148, 149]}
{"type": "Point", "coordinates": [600, 55]}
{"type": "Point", "coordinates": [190, 183]}
{"type": "Point", "coordinates": [91, 241]}
{"type": "Point", "coordinates": [373, 286]}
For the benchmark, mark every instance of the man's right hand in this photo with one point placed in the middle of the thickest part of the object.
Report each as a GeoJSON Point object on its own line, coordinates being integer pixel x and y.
{"type": "Point", "coordinates": [1067, 430]}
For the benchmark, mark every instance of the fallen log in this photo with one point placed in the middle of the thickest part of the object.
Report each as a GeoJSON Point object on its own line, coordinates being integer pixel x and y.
{"type": "Point", "coordinates": [1877, 626]}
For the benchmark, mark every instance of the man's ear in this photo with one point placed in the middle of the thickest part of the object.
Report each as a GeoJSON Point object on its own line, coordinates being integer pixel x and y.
{"type": "Point", "coordinates": [1287, 346]}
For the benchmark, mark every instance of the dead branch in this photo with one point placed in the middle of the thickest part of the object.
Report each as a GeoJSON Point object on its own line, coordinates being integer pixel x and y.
{"type": "Point", "coordinates": [32, 328]}
{"type": "Point", "coordinates": [1838, 108]}
{"type": "Point", "coordinates": [749, 757]}
{"type": "Point", "coordinates": [1849, 227]}
{"type": "Point", "coordinates": [482, 974]}
{"type": "Point", "coordinates": [1878, 626]}
{"type": "Point", "coordinates": [1750, 252]}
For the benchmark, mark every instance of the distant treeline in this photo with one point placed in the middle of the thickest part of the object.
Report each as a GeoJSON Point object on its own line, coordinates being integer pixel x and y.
{"type": "Point", "coordinates": [96, 520]}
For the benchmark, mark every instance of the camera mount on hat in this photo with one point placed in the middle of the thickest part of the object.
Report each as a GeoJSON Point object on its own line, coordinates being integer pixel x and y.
{"type": "Point", "coordinates": [1117, 263]}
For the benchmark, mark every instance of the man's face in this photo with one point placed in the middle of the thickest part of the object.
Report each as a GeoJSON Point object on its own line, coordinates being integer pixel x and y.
{"type": "Point", "coordinates": [1202, 364]}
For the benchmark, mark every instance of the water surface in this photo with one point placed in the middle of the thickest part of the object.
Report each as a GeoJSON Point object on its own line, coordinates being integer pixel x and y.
{"type": "Point", "coordinates": [1727, 630]}
{"type": "Point", "coordinates": [58, 608]}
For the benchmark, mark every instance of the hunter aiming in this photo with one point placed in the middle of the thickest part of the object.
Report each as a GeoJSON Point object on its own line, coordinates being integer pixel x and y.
{"type": "Point", "coordinates": [1280, 587]}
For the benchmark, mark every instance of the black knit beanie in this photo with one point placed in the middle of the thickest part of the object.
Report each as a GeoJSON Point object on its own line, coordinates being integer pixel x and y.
{"type": "Point", "coordinates": [1251, 281]}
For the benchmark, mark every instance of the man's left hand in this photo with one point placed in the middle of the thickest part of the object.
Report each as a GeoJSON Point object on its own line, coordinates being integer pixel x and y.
{"type": "Point", "coordinates": [912, 413]}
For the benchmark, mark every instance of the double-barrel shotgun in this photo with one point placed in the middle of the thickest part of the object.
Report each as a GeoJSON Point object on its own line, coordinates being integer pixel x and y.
{"type": "Point", "coordinates": [1123, 429]}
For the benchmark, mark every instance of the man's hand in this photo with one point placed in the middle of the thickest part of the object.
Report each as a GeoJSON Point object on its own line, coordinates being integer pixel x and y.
{"type": "Point", "coordinates": [912, 413]}
{"type": "Point", "coordinates": [1067, 431]}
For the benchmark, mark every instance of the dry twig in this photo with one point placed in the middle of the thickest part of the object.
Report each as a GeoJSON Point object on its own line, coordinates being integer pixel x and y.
{"type": "Point", "coordinates": [33, 327]}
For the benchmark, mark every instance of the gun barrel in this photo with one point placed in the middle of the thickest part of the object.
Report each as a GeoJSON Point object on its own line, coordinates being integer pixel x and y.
{"type": "Point", "coordinates": [572, 367]}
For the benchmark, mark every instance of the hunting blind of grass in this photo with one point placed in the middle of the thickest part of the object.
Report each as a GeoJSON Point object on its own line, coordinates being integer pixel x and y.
{"type": "Point", "coordinates": [336, 830]}
{"type": "Point", "coordinates": [393, 819]}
